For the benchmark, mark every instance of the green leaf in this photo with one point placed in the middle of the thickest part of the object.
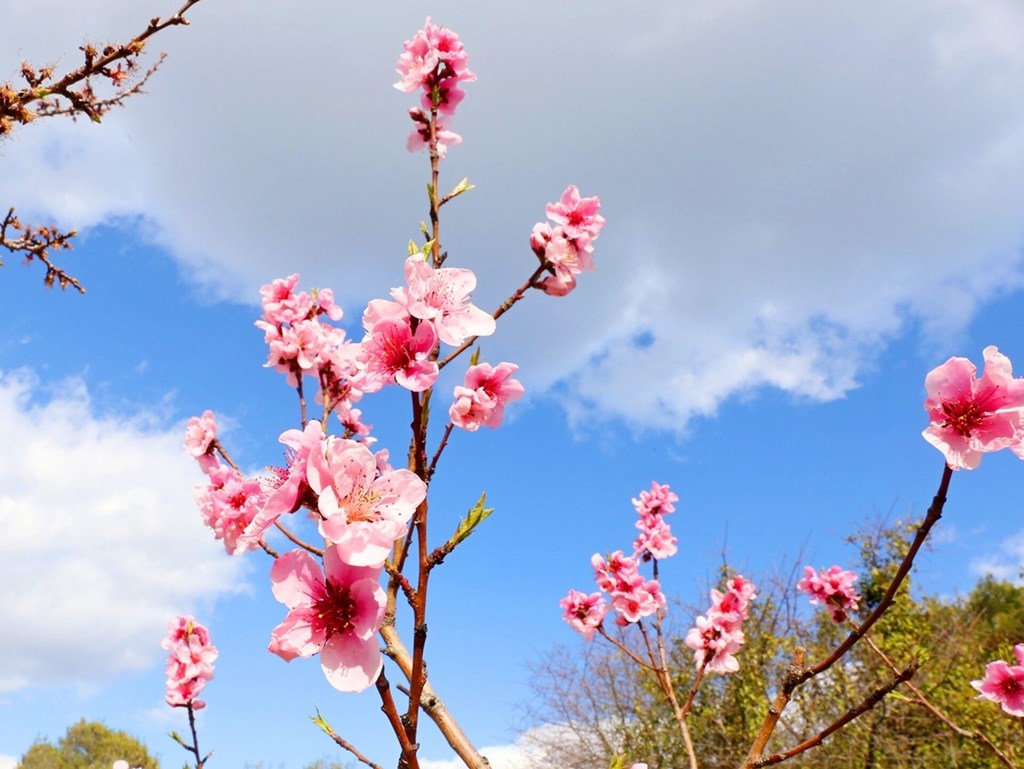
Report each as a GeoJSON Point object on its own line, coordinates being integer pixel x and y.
{"type": "Point", "coordinates": [477, 515]}
{"type": "Point", "coordinates": [320, 721]}
{"type": "Point", "coordinates": [463, 186]}
{"type": "Point", "coordinates": [474, 359]}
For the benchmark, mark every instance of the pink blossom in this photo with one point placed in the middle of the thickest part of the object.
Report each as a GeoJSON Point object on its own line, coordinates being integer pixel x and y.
{"type": "Point", "coordinates": [481, 399]}
{"type": "Point", "coordinates": [228, 504]}
{"type": "Point", "coordinates": [335, 612]}
{"type": "Point", "coordinates": [419, 137]}
{"type": "Point", "coordinates": [714, 646]}
{"type": "Point", "coordinates": [578, 216]}
{"type": "Point", "coordinates": [832, 588]}
{"type": "Point", "coordinates": [969, 415]}
{"type": "Point", "coordinates": [658, 501]}
{"type": "Point", "coordinates": [1004, 684]}
{"type": "Point", "coordinates": [190, 662]}
{"type": "Point", "coordinates": [717, 637]}
{"type": "Point", "coordinates": [640, 600]}
{"type": "Point", "coordinates": [361, 511]}
{"type": "Point", "coordinates": [584, 612]}
{"type": "Point", "coordinates": [200, 437]}
{"type": "Point", "coordinates": [617, 573]}
{"type": "Point", "coordinates": [281, 304]}
{"type": "Point", "coordinates": [436, 61]}
{"type": "Point", "coordinates": [393, 352]}
{"type": "Point", "coordinates": [288, 489]}
{"type": "Point", "coordinates": [565, 249]}
{"type": "Point", "coordinates": [655, 540]}
{"type": "Point", "coordinates": [443, 296]}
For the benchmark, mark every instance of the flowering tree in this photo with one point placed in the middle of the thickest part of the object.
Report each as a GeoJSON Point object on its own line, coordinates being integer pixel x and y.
{"type": "Point", "coordinates": [355, 583]}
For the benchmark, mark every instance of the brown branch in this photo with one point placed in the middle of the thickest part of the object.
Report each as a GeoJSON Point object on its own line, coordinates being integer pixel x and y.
{"type": "Point", "coordinates": [346, 745]}
{"type": "Point", "coordinates": [71, 94]}
{"type": "Point", "coordinates": [921, 699]}
{"type": "Point", "coordinates": [869, 702]}
{"type": "Point", "coordinates": [797, 673]}
{"type": "Point", "coordinates": [36, 243]}
{"type": "Point", "coordinates": [432, 704]}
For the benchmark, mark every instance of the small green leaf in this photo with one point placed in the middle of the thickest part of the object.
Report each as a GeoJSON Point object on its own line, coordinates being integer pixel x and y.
{"type": "Point", "coordinates": [474, 359]}
{"type": "Point", "coordinates": [413, 248]}
{"type": "Point", "coordinates": [477, 515]}
{"type": "Point", "coordinates": [463, 186]}
{"type": "Point", "coordinates": [320, 721]}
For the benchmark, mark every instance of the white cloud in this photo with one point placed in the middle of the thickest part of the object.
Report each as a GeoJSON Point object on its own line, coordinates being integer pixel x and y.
{"type": "Point", "coordinates": [787, 188]}
{"type": "Point", "coordinates": [101, 541]}
{"type": "Point", "coordinates": [1006, 564]}
{"type": "Point", "coordinates": [8, 762]}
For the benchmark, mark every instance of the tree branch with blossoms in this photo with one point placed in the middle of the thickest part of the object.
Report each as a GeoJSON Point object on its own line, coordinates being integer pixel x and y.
{"type": "Point", "coordinates": [374, 518]}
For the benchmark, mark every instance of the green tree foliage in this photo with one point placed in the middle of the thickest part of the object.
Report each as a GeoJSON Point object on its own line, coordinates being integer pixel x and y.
{"type": "Point", "coordinates": [607, 706]}
{"type": "Point", "coordinates": [88, 745]}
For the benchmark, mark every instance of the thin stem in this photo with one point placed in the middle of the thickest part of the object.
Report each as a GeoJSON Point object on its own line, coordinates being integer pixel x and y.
{"type": "Point", "coordinates": [346, 745]}
{"type": "Point", "coordinates": [296, 541]}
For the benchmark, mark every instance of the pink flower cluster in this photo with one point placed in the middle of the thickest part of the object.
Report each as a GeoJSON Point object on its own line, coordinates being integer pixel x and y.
{"type": "Point", "coordinates": [565, 250]}
{"type": "Point", "coordinates": [718, 635]}
{"type": "Point", "coordinates": [971, 415]}
{"type": "Point", "coordinates": [833, 588]}
{"type": "Point", "coordinates": [1004, 684]}
{"type": "Point", "coordinates": [302, 344]}
{"type": "Point", "coordinates": [655, 539]}
{"type": "Point", "coordinates": [436, 62]}
{"type": "Point", "coordinates": [481, 399]}
{"type": "Point", "coordinates": [402, 335]}
{"type": "Point", "coordinates": [229, 501]}
{"type": "Point", "coordinates": [618, 575]}
{"type": "Point", "coordinates": [190, 662]}
{"type": "Point", "coordinates": [201, 439]}
{"type": "Point", "coordinates": [632, 596]}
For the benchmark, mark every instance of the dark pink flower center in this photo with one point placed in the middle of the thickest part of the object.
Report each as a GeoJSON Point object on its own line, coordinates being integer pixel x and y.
{"type": "Point", "coordinates": [964, 417]}
{"type": "Point", "coordinates": [336, 609]}
{"type": "Point", "coordinates": [1011, 687]}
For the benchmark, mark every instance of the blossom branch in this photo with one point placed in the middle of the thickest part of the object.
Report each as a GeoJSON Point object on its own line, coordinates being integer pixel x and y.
{"type": "Point", "coordinates": [931, 518]}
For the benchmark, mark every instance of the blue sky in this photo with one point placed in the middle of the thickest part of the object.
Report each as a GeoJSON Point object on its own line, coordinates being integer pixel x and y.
{"type": "Point", "coordinates": [808, 208]}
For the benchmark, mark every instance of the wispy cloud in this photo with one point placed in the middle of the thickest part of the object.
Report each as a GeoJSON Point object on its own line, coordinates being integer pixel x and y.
{"type": "Point", "coordinates": [1007, 563]}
